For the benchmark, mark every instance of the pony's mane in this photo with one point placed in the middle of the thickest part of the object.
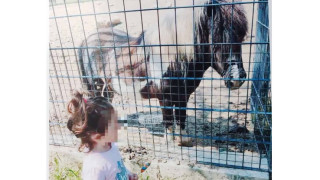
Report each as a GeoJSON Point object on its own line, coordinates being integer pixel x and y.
{"type": "Point", "coordinates": [189, 20]}
{"type": "Point", "coordinates": [235, 15]}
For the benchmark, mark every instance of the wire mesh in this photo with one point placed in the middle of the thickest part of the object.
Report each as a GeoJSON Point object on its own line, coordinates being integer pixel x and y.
{"type": "Point", "coordinates": [229, 128]}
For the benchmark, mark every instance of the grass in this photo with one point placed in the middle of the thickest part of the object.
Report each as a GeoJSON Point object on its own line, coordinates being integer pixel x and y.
{"type": "Point", "coordinates": [141, 177]}
{"type": "Point", "coordinates": [62, 172]}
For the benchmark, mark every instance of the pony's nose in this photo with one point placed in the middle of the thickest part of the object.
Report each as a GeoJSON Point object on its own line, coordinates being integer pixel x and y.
{"type": "Point", "coordinates": [235, 84]}
{"type": "Point", "coordinates": [229, 84]}
{"type": "Point", "coordinates": [243, 74]}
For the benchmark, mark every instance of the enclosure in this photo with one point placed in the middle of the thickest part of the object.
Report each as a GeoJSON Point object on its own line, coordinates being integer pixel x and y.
{"type": "Point", "coordinates": [228, 128]}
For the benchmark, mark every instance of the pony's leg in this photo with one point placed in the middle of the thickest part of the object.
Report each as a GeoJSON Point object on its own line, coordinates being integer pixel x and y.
{"type": "Point", "coordinates": [167, 114]}
{"type": "Point", "coordinates": [88, 86]}
{"type": "Point", "coordinates": [181, 115]}
{"type": "Point", "coordinates": [97, 86]}
{"type": "Point", "coordinates": [180, 103]}
{"type": "Point", "coordinates": [94, 87]}
{"type": "Point", "coordinates": [108, 92]}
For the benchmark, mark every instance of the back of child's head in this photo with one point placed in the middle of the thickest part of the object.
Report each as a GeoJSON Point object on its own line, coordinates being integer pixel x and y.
{"type": "Point", "coordinates": [88, 116]}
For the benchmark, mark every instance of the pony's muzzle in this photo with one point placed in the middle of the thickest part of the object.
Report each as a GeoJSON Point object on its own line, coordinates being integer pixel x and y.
{"type": "Point", "coordinates": [150, 90]}
{"type": "Point", "coordinates": [235, 82]}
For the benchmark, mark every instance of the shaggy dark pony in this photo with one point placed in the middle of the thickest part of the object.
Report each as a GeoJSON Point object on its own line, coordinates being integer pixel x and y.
{"type": "Point", "coordinates": [192, 40]}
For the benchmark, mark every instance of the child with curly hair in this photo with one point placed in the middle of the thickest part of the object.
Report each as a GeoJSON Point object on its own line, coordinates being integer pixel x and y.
{"type": "Point", "coordinates": [94, 121]}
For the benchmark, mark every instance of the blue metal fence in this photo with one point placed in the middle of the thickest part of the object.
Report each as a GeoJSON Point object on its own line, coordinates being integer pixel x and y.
{"type": "Point", "coordinates": [213, 111]}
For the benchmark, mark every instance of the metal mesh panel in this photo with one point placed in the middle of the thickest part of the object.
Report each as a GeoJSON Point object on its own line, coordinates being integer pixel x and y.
{"type": "Point", "coordinates": [229, 128]}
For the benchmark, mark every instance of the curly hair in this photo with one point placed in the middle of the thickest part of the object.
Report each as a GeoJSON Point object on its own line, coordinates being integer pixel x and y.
{"type": "Point", "coordinates": [88, 116]}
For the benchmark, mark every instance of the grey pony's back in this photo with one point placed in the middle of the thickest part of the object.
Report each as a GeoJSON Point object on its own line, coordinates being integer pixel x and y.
{"type": "Point", "coordinates": [97, 48]}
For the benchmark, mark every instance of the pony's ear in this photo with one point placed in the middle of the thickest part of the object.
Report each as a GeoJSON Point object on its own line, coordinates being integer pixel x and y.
{"type": "Point", "coordinates": [132, 57]}
{"type": "Point", "coordinates": [133, 45]}
{"type": "Point", "coordinates": [133, 48]}
{"type": "Point", "coordinates": [135, 42]}
{"type": "Point", "coordinates": [140, 38]}
{"type": "Point", "coordinates": [135, 53]}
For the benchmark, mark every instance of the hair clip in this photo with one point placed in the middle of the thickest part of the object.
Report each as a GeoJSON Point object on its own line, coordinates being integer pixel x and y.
{"type": "Point", "coordinates": [146, 165]}
{"type": "Point", "coordinates": [85, 101]}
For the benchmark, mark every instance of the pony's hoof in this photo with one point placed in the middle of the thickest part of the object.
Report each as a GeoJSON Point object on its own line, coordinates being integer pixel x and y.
{"type": "Point", "coordinates": [185, 141]}
{"type": "Point", "coordinates": [185, 144]}
{"type": "Point", "coordinates": [181, 139]}
{"type": "Point", "coordinates": [171, 130]}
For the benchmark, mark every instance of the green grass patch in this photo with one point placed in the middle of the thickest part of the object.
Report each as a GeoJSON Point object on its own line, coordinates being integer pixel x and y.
{"type": "Point", "coordinates": [62, 171]}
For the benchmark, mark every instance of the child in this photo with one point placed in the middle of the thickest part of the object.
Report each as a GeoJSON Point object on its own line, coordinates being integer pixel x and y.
{"type": "Point", "coordinates": [94, 121]}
